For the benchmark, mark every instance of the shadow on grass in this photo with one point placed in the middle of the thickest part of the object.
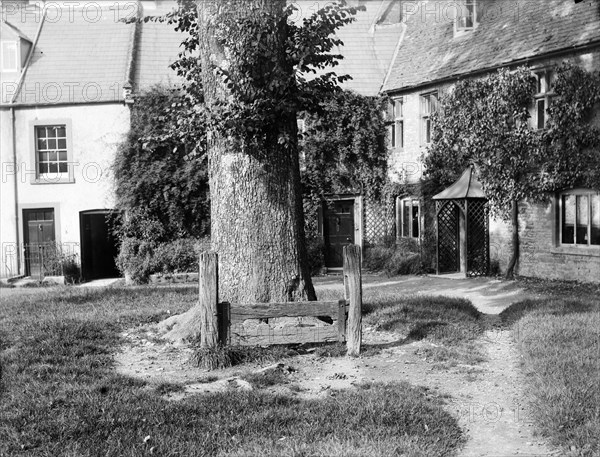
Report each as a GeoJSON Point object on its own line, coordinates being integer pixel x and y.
{"type": "Point", "coordinates": [61, 397]}
{"type": "Point", "coordinates": [554, 307]}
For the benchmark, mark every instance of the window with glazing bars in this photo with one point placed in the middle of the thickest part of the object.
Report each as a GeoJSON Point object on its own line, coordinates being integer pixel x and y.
{"type": "Point", "coordinates": [51, 149]}
{"type": "Point", "coordinates": [428, 107]}
{"type": "Point", "coordinates": [580, 217]}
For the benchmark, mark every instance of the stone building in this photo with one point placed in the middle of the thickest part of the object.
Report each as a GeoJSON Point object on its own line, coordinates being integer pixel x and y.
{"type": "Point", "coordinates": [443, 42]}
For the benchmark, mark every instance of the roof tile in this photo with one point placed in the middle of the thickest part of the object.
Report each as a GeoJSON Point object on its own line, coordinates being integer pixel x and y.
{"type": "Point", "coordinates": [507, 32]}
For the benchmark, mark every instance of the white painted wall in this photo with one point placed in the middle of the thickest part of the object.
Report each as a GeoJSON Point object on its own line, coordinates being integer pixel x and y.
{"type": "Point", "coordinates": [96, 131]}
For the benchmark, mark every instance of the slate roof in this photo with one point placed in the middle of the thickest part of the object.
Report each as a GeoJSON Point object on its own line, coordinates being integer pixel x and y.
{"type": "Point", "coordinates": [78, 60]}
{"type": "Point", "coordinates": [368, 48]}
{"type": "Point", "coordinates": [508, 32]}
{"type": "Point", "coordinates": [158, 47]}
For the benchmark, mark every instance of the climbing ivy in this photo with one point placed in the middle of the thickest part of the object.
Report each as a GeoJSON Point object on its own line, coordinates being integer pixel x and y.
{"type": "Point", "coordinates": [160, 183]}
{"type": "Point", "coordinates": [344, 149]}
{"type": "Point", "coordinates": [572, 139]}
{"type": "Point", "coordinates": [485, 122]}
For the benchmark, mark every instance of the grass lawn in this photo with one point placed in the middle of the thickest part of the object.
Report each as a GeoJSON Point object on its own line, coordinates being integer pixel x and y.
{"type": "Point", "coordinates": [60, 396]}
{"type": "Point", "coordinates": [453, 324]}
{"type": "Point", "coordinates": [560, 343]}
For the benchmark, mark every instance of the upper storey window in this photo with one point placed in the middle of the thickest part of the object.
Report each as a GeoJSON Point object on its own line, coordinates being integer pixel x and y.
{"type": "Point", "coordinates": [429, 103]}
{"type": "Point", "coordinates": [397, 126]}
{"type": "Point", "coordinates": [466, 17]}
{"type": "Point", "coordinates": [543, 97]}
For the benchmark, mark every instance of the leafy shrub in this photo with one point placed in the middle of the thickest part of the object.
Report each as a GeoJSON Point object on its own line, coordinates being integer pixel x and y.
{"type": "Point", "coordinates": [403, 263]}
{"type": "Point", "coordinates": [139, 259]}
{"type": "Point", "coordinates": [135, 259]}
{"type": "Point", "coordinates": [70, 269]}
{"type": "Point", "coordinates": [376, 257]}
{"type": "Point", "coordinates": [316, 254]}
{"type": "Point", "coordinates": [495, 267]}
{"type": "Point", "coordinates": [397, 259]}
{"type": "Point", "coordinates": [177, 256]}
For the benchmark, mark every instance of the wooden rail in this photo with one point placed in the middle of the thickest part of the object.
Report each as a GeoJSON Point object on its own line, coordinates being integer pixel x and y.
{"type": "Point", "coordinates": [270, 323]}
{"type": "Point", "coordinates": [253, 324]}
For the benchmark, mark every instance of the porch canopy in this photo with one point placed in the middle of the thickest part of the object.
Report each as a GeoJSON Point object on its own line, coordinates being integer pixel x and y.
{"type": "Point", "coordinates": [462, 216]}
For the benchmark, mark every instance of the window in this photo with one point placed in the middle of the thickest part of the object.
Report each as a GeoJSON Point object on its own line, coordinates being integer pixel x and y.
{"type": "Point", "coordinates": [407, 215]}
{"type": "Point", "coordinates": [428, 107]}
{"type": "Point", "coordinates": [580, 217]}
{"type": "Point", "coordinates": [51, 148]}
{"type": "Point", "coordinates": [397, 128]}
{"type": "Point", "coordinates": [543, 97]}
{"type": "Point", "coordinates": [9, 56]}
{"type": "Point", "coordinates": [466, 18]}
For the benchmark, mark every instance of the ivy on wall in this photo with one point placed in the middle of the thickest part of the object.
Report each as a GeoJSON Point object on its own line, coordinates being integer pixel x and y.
{"type": "Point", "coordinates": [571, 141]}
{"type": "Point", "coordinates": [344, 150]}
{"type": "Point", "coordinates": [486, 122]}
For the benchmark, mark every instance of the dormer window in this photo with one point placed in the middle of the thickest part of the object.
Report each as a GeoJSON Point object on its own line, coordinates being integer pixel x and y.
{"type": "Point", "coordinates": [466, 18]}
{"type": "Point", "coordinates": [9, 58]}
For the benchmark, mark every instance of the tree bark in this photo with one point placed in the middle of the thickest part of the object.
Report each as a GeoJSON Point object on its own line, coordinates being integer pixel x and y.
{"type": "Point", "coordinates": [515, 239]}
{"type": "Point", "coordinates": [257, 220]}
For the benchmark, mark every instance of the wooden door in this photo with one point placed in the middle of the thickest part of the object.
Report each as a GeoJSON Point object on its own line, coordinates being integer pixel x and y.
{"type": "Point", "coordinates": [338, 230]}
{"type": "Point", "coordinates": [39, 239]}
{"type": "Point", "coordinates": [98, 246]}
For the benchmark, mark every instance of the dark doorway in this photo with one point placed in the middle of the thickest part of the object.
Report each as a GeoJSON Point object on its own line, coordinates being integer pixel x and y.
{"type": "Point", "coordinates": [39, 238]}
{"type": "Point", "coordinates": [338, 230]}
{"type": "Point", "coordinates": [98, 246]}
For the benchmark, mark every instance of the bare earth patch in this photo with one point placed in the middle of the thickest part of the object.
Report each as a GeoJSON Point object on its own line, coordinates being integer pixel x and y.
{"type": "Point", "coordinates": [486, 398]}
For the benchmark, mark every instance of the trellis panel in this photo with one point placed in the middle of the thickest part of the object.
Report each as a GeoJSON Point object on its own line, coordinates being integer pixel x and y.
{"type": "Point", "coordinates": [379, 221]}
{"type": "Point", "coordinates": [448, 237]}
{"type": "Point", "coordinates": [478, 246]}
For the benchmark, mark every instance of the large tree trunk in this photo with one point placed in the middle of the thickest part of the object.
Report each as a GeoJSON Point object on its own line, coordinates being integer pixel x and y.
{"type": "Point", "coordinates": [257, 221]}
{"type": "Point", "coordinates": [515, 240]}
{"type": "Point", "coordinates": [257, 227]}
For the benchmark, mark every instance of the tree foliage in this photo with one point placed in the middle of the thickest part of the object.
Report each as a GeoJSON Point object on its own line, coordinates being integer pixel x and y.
{"type": "Point", "coordinates": [274, 67]}
{"type": "Point", "coordinates": [159, 183]}
{"type": "Point", "coordinates": [485, 122]}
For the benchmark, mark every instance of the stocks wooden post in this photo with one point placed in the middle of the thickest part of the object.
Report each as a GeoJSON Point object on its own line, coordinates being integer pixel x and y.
{"type": "Point", "coordinates": [352, 277]}
{"type": "Point", "coordinates": [209, 297]}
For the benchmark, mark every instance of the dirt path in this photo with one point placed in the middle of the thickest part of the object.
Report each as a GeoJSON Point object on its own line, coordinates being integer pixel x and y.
{"type": "Point", "coordinates": [487, 399]}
